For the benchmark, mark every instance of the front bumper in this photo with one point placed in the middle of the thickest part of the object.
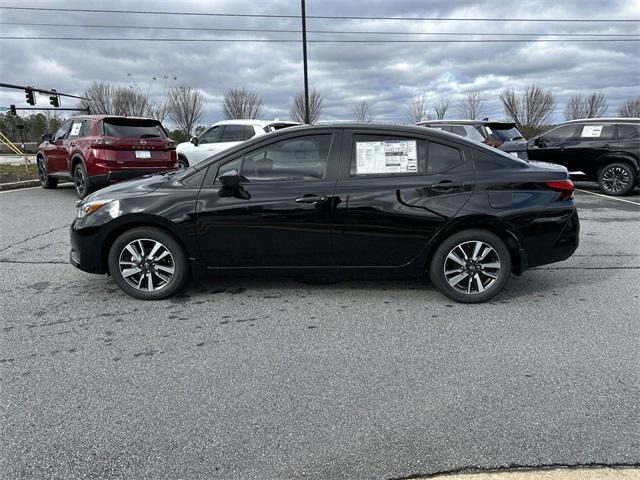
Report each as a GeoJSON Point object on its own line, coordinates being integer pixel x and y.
{"type": "Point", "coordinates": [86, 250]}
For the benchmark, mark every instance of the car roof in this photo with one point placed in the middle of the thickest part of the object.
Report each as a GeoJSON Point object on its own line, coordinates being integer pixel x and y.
{"type": "Point", "coordinates": [604, 119]}
{"type": "Point", "coordinates": [253, 122]}
{"type": "Point", "coordinates": [466, 122]}
{"type": "Point", "coordinates": [102, 117]}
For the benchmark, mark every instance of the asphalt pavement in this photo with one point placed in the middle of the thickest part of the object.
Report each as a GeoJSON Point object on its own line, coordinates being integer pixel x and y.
{"type": "Point", "coordinates": [271, 378]}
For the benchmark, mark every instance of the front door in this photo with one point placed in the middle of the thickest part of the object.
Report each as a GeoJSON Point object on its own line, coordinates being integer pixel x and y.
{"type": "Point", "coordinates": [282, 214]}
{"type": "Point", "coordinates": [55, 151]}
{"type": "Point", "coordinates": [394, 193]}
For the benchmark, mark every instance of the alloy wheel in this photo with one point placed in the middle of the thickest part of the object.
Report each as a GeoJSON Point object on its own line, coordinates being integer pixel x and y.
{"type": "Point", "coordinates": [615, 179]}
{"type": "Point", "coordinates": [146, 265]}
{"type": "Point", "coordinates": [472, 267]}
{"type": "Point", "coordinates": [79, 181]}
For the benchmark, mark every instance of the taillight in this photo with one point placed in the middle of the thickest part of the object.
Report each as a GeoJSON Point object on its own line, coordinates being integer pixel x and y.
{"type": "Point", "coordinates": [171, 144]}
{"type": "Point", "coordinates": [101, 143]}
{"type": "Point", "coordinates": [565, 187]}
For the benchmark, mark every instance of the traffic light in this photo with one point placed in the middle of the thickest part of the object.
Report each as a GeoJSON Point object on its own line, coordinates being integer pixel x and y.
{"type": "Point", "coordinates": [28, 93]}
{"type": "Point", "coordinates": [54, 100]}
{"type": "Point", "coordinates": [13, 110]}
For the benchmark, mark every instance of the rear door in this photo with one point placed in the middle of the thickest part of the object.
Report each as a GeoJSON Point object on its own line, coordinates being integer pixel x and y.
{"type": "Point", "coordinates": [394, 193]}
{"type": "Point", "coordinates": [282, 216]}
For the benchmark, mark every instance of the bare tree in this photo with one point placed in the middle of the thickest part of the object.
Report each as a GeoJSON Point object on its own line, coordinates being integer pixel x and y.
{"type": "Point", "coordinates": [595, 105]}
{"type": "Point", "coordinates": [471, 106]}
{"type": "Point", "coordinates": [441, 107]}
{"type": "Point", "coordinates": [418, 109]}
{"type": "Point", "coordinates": [530, 110]}
{"type": "Point", "coordinates": [315, 107]}
{"type": "Point", "coordinates": [630, 108]}
{"type": "Point", "coordinates": [361, 113]}
{"type": "Point", "coordinates": [186, 107]}
{"type": "Point", "coordinates": [242, 103]}
{"type": "Point", "coordinates": [108, 99]}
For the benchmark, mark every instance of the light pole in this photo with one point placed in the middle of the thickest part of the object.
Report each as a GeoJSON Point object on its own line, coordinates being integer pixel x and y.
{"type": "Point", "coordinates": [304, 56]}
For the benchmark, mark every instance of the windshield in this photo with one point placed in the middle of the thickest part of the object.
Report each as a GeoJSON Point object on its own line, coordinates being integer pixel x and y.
{"type": "Point", "coordinates": [132, 128]}
{"type": "Point", "coordinates": [506, 134]}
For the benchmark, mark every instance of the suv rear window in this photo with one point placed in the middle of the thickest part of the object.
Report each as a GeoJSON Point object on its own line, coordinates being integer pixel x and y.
{"type": "Point", "coordinates": [132, 128]}
{"type": "Point", "coordinates": [505, 134]}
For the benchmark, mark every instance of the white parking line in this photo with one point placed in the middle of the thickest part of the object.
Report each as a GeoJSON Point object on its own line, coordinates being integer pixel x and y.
{"type": "Point", "coordinates": [608, 197]}
{"type": "Point", "coordinates": [20, 189]}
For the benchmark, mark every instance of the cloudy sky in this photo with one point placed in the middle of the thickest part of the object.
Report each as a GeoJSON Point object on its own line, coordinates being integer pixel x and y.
{"type": "Point", "coordinates": [386, 75]}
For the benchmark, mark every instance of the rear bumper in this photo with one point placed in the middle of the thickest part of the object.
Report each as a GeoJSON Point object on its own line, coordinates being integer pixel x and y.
{"type": "Point", "coordinates": [554, 236]}
{"type": "Point", "coordinates": [119, 175]}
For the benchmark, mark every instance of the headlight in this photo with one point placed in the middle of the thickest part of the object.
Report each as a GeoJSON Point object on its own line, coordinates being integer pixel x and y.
{"type": "Point", "coordinates": [90, 207]}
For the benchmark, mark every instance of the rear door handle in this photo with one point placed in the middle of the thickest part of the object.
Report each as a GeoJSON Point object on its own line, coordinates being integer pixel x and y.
{"type": "Point", "coordinates": [311, 199]}
{"type": "Point", "coordinates": [446, 185]}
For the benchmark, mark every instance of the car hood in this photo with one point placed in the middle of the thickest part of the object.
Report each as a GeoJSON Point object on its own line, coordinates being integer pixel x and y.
{"type": "Point", "coordinates": [130, 188]}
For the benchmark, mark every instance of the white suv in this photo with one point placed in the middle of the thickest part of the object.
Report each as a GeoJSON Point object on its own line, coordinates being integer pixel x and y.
{"type": "Point", "coordinates": [223, 135]}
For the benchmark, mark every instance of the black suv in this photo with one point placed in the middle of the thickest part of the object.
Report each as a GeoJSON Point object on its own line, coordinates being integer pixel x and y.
{"type": "Point", "coordinates": [604, 149]}
{"type": "Point", "coordinates": [502, 135]}
{"type": "Point", "coordinates": [343, 199]}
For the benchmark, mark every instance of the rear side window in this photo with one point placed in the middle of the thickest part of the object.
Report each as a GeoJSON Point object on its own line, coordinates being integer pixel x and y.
{"type": "Point", "coordinates": [132, 128]}
{"type": "Point", "coordinates": [458, 130]}
{"type": "Point", "coordinates": [387, 155]}
{"type": "Point", "coordinates": [237, 133]}
{"type": "Point", "coordinates": [299, 158]}
{"type": "Point", "coordinates": [594, 131]}
{"type": "Point", "coordinates": [442, 157]}
{"type": "Point", "coordinates": [628, 131]}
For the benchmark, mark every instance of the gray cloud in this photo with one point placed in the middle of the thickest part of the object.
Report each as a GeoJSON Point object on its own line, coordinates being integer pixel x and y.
{"type": "Point", "coordinates": [386, 75]}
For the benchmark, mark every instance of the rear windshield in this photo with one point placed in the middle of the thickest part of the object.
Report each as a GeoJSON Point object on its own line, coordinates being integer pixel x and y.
{"type": "Point", "coordinates": [505, 134]}
{"type": "Point", "coordinates": [132, 128]}
{"type": "Point", "coordinates": [277, 126]}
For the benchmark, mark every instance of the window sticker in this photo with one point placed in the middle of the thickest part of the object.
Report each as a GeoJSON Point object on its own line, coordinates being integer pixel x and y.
{"type": "Point", "coordinates": [75, 129]}
{"type": "Point", "coordinates": [591, 131]}
{"type": "Point", "coordinates": [394, 156]}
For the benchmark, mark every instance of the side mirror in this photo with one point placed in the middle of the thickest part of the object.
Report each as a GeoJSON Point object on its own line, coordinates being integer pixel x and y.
{"type": "Point", "coordinates": [230, 180]}
{"type": "Point", "coordinates": [194, 140]}
{"type": "Point", "coordinates": [47, 137]}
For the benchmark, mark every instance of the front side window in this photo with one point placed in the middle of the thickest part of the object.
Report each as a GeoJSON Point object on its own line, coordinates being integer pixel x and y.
{"type": "Point", "coordinates": [442, 157]}
{"type": "Point", "coordinates": [76, 128]}
{"type": "Point", "coordinates": [387, 155]}
{"type": "Point", "coordinates": [211, 136]}
{"type": "Point", "coordinates": [563, 133]}
{"type": "Point", "coordinates": [300, 158]}
{"type": "Point", "coordinates": [237, 133]}
{"type": "Point", "coordinates": [62, 131]}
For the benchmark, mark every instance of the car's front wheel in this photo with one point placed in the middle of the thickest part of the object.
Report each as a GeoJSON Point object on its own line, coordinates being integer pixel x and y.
{"type": "Point", "coordinates": [182, 162]}
{"type": "Point", "coordinates": [471, 266]}
{"type": "Point", "coordinates": [45, 180]}
{"type": "Point", "coordinates": [617, 179]}
{"type": "Point", "coordinates": [148, 263]}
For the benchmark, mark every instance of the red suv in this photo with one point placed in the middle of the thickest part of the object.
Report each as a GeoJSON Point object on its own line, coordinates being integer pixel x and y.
{"type": "Point", "coordinates": [95, 150]}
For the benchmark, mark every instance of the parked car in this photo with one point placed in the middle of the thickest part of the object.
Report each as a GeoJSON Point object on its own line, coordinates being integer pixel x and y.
{"type": "Point", "coordinates": [342, 199]}
{"type": "Point", "coordinates": [223, 135]}
{"type": "Point", "coordinates": [606, 150]}
{"type": "Point", "coordinates": [502, 135]}
{"type": "Point", "coordinates": [95, 150]}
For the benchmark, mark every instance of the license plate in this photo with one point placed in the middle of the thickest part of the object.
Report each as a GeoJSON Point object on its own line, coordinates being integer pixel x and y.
{"type": "Point", "coordinates": [143, 154]}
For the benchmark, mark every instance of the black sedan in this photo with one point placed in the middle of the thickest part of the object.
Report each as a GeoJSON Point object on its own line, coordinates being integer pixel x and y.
{"type": "Point", "coordinates": [380, 200]}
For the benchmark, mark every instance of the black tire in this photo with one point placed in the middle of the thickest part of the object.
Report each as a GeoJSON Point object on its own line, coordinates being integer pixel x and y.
{"type": "Point", "coordinates": [176, 260]}
{"type": "Point", "coordinates": [182, 162]}
{"type": "Point", "coordinates": [81, 181]}
{"type": "Point", "coordinates": [466, 290]}
{"type": "Point", "coordinates": [617, 179]}
{"type": "Point", "coordinates": [45, 180]}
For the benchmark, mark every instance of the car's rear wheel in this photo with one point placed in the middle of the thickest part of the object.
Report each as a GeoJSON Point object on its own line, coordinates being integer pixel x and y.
{"type": "Point", "coordinates": [148, 263]}
{"type": "Point", "coordinates": [471, 266]}
{"type": "Point", "coordinates": [45, 180]}
{"type": "Point", "coordinates": [617, 179]}
{"type": "Point", "coordinates": [81, 181]}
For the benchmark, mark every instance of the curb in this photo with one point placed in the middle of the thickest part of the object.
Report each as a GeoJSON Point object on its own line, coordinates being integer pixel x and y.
{"type": "Point", "coordinates": [17, 185]}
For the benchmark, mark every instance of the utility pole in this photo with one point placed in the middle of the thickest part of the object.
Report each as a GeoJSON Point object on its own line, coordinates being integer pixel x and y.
{"type": "Point", "coordinates": [304, 55]}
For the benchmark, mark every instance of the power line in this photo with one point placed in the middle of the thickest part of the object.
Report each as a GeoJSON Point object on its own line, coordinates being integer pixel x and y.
{"type": "Point", "coordinates": [277, 30]}
{"type": "Point", "coordinates": [325, 17]}
{"type": "Point", "coordinates": [261, 40]}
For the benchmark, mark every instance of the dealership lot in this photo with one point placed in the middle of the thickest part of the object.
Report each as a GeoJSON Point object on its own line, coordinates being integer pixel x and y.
{"type": "Point", "coordinates": [272, 378]}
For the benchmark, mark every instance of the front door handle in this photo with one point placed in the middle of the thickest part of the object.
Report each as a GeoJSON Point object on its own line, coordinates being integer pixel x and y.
{"type": "Point", "coordinates": [446, 185]}
{"type": "Point", "coordinates": [72, 143]}
{"type": "Point", "coordinates": [311, 199]}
